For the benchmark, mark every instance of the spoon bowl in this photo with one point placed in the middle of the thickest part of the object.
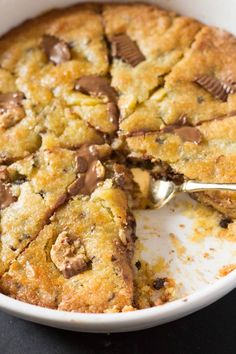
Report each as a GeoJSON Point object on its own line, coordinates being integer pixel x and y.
{"type": "Point", "coordinates": [162, 192]}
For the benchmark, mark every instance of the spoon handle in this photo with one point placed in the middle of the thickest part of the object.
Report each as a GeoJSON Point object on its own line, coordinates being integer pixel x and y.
{"type": "Point", "coordinates": [192, 186]}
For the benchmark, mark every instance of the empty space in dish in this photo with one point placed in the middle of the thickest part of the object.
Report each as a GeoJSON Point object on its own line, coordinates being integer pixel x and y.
{"type": "Point", "coordinates": [186, 243]}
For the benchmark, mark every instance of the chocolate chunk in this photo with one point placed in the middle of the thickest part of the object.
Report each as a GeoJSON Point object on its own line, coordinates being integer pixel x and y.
{"type": "Point", "coordinates": [214, 86]}
{"type": "Point", "coordinates": [124, 48]}
{"type": "Point", "coordinates": [81, 164]}
{"type": "Point", "coordinates": [57, 50]}
{"type": "Point", "coordinates": [159, 283]}
{"type": "Point", "coordinates": [69, 255]}
{"type": "Point", "coordinates": [225, 222]}
{"type": "Point", "coordinates": [76, 186]}
{"type": "Point", "coordinates": [95, 174]}
{"type": "Point", "coordinates": [182, 128]}
{"type": "Point", "coordinates": [90, 169]}
{"type": "Point", "coordinates": [6, 197]}
{"type": "Point", "coordinates": [96, 86]}
{"type": "Point", "coordinates": [11, 110]}
{"type": "Point", "coordinates": [190, 134]}
{"type": "Point", "coordinates": [114, 113]}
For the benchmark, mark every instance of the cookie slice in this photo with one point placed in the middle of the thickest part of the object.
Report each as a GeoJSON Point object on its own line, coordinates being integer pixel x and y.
{"type": "Point", "coordinates": [144, 48]}
{"type": "Point", "coordinates": [81, 261]}
{"type": "Point", "coordinates": [38, 184]}
{"type": "Point", "coordinates": [204, 153]}
{"type": "Point", "coordinates": [202, 84]}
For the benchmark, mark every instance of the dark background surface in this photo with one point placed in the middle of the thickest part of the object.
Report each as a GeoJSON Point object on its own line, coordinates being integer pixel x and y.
{"type": "Point", "coordinates": [209, 331]}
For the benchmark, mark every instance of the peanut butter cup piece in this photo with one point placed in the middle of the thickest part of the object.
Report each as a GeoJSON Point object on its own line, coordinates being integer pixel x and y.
{"type": "Point", "coordinates": [214, 86]}
{"type": "Point", "coordinates": [11, 109]}
{"type": "Point", "coordinates": [57, 50]}
{"type": "Point", "coordinates": [97, 86]}
{"type": "Point", "coordinates": [125, 49]}
{"type": "Point", "coordinates": [229, 85]}
{"type": "Point", "coordinates": [68, 254]}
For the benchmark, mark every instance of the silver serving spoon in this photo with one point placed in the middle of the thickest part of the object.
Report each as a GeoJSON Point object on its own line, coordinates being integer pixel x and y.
{"type": "Point", "coordinates": [163, 191]}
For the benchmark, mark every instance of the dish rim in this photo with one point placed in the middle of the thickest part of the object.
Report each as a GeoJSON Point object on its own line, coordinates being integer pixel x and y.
{"type": "Point", "coordinates": [118, 322]}
{"type": "Point", "coordinates": [146, 317]}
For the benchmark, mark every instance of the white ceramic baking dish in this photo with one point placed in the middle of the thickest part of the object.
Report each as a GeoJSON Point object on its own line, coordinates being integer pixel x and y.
{"type": "Point", "coordinates": [200, 281]}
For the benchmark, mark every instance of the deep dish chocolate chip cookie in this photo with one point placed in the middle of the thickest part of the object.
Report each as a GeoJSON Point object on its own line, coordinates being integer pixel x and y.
{"type": "Point", "coordinates": [94, 99]}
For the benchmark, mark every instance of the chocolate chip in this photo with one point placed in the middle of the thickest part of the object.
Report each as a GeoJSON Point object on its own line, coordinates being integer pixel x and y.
{"type": "Point", "coordinates": [96, 86]}
{"type": "Point", "coordinates": [138, 265]}
{"type": "Point", "coordinates": [214, 86]}
{"type": "Point", "coordinates": [159, 283]}
{"type": "Point", "coordinates": [127, 50]}
{"type": "Point", "coordinates": [200, 99]}
{"type": "Point", "coordinates": [42, 194]}
{"type": "Point", "coordinates": [57, 50]}
{"type": "Point", "coordinates": [13, 248]}
{"type": "Point", "coordinates": [11, 109]}
{"type": "Point", "coordinates": [225, 222]}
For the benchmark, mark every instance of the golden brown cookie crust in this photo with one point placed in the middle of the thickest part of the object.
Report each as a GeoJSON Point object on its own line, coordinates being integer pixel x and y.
{"type": "Point", "coordinates": [143, 85]}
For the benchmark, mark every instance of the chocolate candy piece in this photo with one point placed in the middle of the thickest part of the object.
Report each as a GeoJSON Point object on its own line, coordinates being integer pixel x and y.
{"type": "Point", "coordinates": [214, 86]}
{"type": "Point", "coordinates": [181, 128]}
{"type": "Point", "coordinates": [68, 254]}
{"type": "Point", "coordinates": [229, 85]}
{"type": "Point", "coordinates": [100, 87]}
{"type": "Point", "coordinates": [113, 112]}
{"type": "Point", "coordinates": [97, 86]}
{"type": "Point", "coordinates": [89, 168]}
{"type": "Point", "coordinates": [124, 48]}
{"type": "Point", "coordinates": [57, 50]}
